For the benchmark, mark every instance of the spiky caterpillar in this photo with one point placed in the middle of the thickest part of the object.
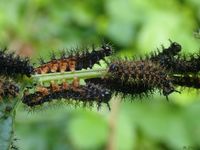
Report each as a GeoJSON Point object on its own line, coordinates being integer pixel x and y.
{"type": "Point", "coordinates": [116, 86]}
{"type": "Point", "coordinates": [187, 81]}
{"type": "Point", "coordinates": [171, 51]}
{"type": "Point", "coordinates": [176, 63]}
{"type": "Point", "coordinates": [186, 64]}
{"type": "Point", "coordinates": [166, 57]}
{"type": "Point", "coordinates": [183, 64]}
{"type": "Point", "coordinates": [141, 72]}
{"type": "Point", "coordinates": [12, 65]}
{"type": "Point", "coordinates": [137, 78]}
{"type": "Point", "coordinates": [74, 61]}
{"type": "Point", "coordinates": [8, 88]}
{"type": "Point", "coordinates": [89, 93]}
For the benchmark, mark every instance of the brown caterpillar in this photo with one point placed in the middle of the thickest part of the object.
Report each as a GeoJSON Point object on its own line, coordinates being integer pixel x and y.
{"type": "Point", "coordinates": [136, 77]}
{"type": "Point", "coordinates": [8, 88]}
{"type": "Point", "coordinates": [141, 72]}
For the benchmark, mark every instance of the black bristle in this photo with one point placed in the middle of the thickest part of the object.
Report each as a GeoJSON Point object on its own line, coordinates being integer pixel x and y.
{"type": "Point", "coordinates": [62, 54]}
{"type": "Point", "coordinates": [53, 55]}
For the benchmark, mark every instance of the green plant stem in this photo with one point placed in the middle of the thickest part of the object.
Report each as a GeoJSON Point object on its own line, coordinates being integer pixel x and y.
{"type": "Point", "coordinates": [7, 119]}
{"type": "Point", "coordinates": [82, 74]}
{"type": "Point", "coordinates": [6, 132]}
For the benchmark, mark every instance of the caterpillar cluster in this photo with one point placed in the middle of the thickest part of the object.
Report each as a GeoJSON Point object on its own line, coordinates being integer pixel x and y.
{"type": "Point", "coordinates": [142, 77]}
{"type": "Point", "coordinates": [8, 89]}
{"type": "Point", "coordinates": [88, 93]}
{"type": "Point", "coordinates": [74, 61]}
{"type": "Point", "coordinates": [128, 76]}
{"type": "Point", "coordinates": [12, 65]}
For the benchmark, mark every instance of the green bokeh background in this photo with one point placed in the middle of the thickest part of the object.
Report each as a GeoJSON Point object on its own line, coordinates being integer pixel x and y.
{"type": "Point", "coordinates": [134, 27]}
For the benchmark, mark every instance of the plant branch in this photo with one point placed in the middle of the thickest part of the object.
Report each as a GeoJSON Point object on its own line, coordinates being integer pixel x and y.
{"type": "Point", "coordinates": [83, 74]}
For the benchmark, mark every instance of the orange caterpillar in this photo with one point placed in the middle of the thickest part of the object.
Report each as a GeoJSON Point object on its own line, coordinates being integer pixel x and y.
{"type": "Point", "coordinates": [62, 65]}
{"type": "Point", "coordinates": [78, 61]}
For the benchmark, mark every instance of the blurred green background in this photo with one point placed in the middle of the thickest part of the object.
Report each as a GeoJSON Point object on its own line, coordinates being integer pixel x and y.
{"type": "Point", "coordinates": [134, 27]}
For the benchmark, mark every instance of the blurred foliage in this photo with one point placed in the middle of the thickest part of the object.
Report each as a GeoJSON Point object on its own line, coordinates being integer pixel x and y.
{"type": "Point", "coordinates": [134, 27]}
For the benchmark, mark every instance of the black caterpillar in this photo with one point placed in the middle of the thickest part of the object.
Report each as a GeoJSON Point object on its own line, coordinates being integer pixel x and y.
{"type": "Point", "coordinates": [89, 93]}
{"type": "Point", "coordinates": [12, 65]}
{"type": "Point", "coordinates": [74, 61]}
{"type": "Point", "coordinates": [167, 56]}
{"type": "Point", "coordinates": [187, 81]}
{"type": "Point", "coordinates": [116, 86]}
{"type": "Point", "coordinates": [176, 63]}
{"type": "Point", "coordinates": [186, 64]}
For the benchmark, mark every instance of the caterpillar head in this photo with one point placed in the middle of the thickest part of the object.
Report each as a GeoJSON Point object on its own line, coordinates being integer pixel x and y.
{"type": "Point", "coordinates": [107, 48]}
{"type": "Point", "coordinates": [106, 95]}
{"type": "Point", "coordinates": [176, 48]}
{"type": "Point", "coordinates": [29, 71]}
{"type": "Point", "coordinates": [114, 67]}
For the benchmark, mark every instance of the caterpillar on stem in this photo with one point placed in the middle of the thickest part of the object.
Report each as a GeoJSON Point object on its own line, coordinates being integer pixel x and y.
{"type": "Point", "coordinates": [75, 60]}
{"type": "Point", "coordinates": [89, 93]}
